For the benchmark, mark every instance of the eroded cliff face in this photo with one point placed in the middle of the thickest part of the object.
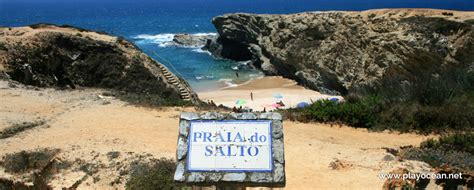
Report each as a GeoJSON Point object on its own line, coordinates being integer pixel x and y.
{"type": "Point", "coordinates": [337, 52]}
{"type": "Point", "coordinates": [47, 55]}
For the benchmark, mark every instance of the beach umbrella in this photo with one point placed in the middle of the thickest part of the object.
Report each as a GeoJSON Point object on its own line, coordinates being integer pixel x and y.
{"type": "Point", "coordinates": [240, 102]}
{"type": "Point", "coordinates": [276, 105]}
{"type": "Point", "coordinates": [302, 104]}
{"type": "Point", "coordinates": [277, 95]}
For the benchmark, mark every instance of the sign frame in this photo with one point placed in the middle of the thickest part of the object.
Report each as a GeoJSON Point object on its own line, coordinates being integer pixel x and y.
{"type": "Point", "coordinates": [275, 177]}
{"type": "Point", "coordinates": [270, 126]}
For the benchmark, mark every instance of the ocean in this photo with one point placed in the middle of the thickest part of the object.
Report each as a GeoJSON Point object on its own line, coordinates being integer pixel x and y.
{"type": "Point", "coordinates": [152, 23]}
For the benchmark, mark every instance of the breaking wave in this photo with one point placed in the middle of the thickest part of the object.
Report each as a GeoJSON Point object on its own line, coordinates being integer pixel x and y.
{"type": "Point", "coordinates": [199, 50]}
{"type": "Point", "coordinates": [228, 82]}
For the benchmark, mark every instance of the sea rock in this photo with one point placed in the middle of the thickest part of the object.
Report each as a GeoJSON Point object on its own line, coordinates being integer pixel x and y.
{"type": "Point", "coordinates": [338, 52]}
{"type": "Point", "coordinates": [192, 40]}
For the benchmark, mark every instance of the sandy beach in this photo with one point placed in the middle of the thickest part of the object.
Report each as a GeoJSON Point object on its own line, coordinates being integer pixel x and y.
{"type": "Point", "coordinates": [86, 125]}
{"type": "Point", "coordinates": [265, 92]}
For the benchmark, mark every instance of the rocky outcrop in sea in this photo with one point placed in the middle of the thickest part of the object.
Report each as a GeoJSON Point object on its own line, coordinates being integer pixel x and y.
{"type": "Point", "coordinates": [340, 52]}
{"type": "Point", "coordinates": [191, 40]}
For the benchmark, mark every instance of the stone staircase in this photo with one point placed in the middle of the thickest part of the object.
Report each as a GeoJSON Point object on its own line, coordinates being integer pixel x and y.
{"type": "Point", "coordinates": [184, 92]}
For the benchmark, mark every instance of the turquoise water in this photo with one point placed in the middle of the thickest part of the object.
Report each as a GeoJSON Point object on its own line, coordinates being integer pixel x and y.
{"type": "Point", "coordinates": [150, 23]}
{"type": "Point", "coordinates": [198, 67]}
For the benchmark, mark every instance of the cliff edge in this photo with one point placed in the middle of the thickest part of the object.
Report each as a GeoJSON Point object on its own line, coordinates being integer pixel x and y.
{"type": "Point", "coordinates": [339, 52]}
{"type": "Point", "coordinates": [62, 56]}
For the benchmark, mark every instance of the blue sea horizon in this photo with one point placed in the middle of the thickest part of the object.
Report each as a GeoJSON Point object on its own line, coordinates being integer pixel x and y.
{"type": "Point", "coordinates": [150, 24]}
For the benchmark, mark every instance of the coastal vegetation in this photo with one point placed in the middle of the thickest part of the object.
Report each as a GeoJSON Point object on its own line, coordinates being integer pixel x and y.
{"type": "Point", "coordinates": [3, 46]}
{"type": "Point", "coordinates": [19, 127]}
{"type": "Point", "coordinates": [150, 100]}
{"type": "Point", "coordinates": [470, 21]}
{"type": "Point", "coordinates": [444, 103]}
{"type": "Point", "coordinates": [155, 175]}
{"type": "Point", "coordinates": [455, 151]}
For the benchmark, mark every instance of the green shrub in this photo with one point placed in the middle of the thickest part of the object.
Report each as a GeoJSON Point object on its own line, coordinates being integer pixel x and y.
{"type": "Point", "coordinates": [358, 113]}
{"type": "Point", "coordinates": [454, 150]}
{"type": "Point", "coordinates": [151, 100]}
{"type": "Point", "coordinates": [413, 117]}
{"type": "Point", "coordinates": [19, 127]}
{"type": "Point", "coordinates": [469, 21]}
{"type": "Point", "coordinates": [156, 175]}
{"type": "Point", "coordinates": [458, 141]}
{"type": "Point", "coordinates": [438, 25]}
{"type": "Point", "coordinates": [447, 13]}
{"type": "Point", "coordinates": [3, 46]}
{"type": "Point", "coordinates": [28, 160]}
{"type": "Point", "coordinates": [428, 103]}
{"type": "Point", "coordinates": [436, 158]}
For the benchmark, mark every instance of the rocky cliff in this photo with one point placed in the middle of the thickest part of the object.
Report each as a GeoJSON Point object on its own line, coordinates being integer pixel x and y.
{"type": "Point", "coordinates": [47, 55]}
{"type": "Point", "coordinates": [337, 52]}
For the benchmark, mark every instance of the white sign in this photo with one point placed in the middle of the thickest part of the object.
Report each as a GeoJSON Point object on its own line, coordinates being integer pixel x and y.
{"type": "Point", "coordinates": [243, 145]}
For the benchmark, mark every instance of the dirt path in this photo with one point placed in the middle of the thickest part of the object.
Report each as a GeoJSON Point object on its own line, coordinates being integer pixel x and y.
{"type": "Point", "coordinates": [87, 126]}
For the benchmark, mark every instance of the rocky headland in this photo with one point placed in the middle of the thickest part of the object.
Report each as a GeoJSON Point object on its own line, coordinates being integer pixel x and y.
{"type": "Point", "coordinates": [339, 52]}
{"type": "Point", "coordinates": [62, 56]}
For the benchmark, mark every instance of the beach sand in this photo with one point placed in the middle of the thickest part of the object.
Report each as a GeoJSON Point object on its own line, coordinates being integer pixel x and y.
{"type": "Point", "coordinates": [264, 91]}
{"type": "Point", "coordinates": [86, 126]}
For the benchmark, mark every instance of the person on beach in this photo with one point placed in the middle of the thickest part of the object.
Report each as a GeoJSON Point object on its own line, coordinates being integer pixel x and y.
{"type": "Point", "coordinates": [251, 96]}
{"type": "Point", "coordinates": [281, 103]}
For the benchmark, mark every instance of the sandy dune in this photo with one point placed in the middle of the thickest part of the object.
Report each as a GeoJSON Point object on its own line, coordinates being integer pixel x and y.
{"type": "Point", "coordinates": [264, 90]}
{"type": "Point", "coordinates": [87, 126]}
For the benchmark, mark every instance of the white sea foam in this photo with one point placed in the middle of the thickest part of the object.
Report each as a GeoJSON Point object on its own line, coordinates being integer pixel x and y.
{"type": "Point", "coordinates": [199, 50]}
{"type": "Point", "coordinates": [205, 34]}
{"type": "Point", "coordinates": [228, 82]}
{"type": "Point", "coordinates": [162, 40]}
{"type": "Point", "coordinates": [245, 62]}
